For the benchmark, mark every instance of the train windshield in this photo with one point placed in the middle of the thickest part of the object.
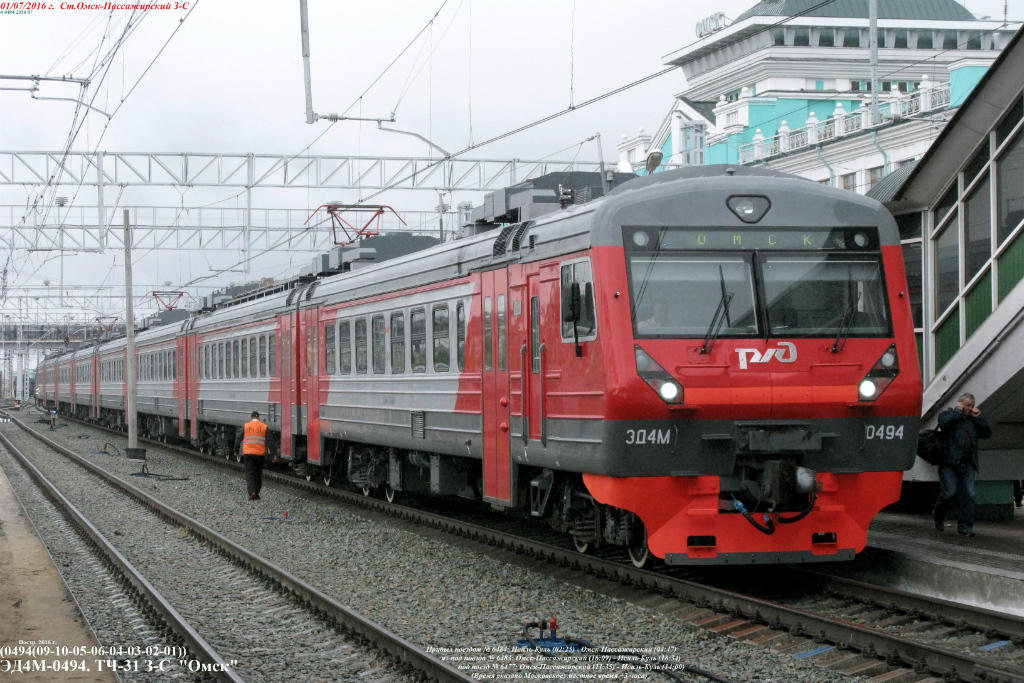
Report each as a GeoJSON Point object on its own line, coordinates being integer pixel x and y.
{"type": "Point", "coordinates": [677, 295]}
{"type": "Point", "coordinates": [816, 294]}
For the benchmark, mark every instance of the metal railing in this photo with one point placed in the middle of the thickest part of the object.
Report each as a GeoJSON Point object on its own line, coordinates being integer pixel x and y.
{"type": "Point", "coordinates": [909, 106]}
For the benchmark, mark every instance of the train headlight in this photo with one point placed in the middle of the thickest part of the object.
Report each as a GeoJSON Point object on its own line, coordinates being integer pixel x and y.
{"type": "Point", "coordinates": [867, 389]}
{"type": "Point", "coordinates": [880, 376]}
{"type": "Point", "coordinates": [657, 378]}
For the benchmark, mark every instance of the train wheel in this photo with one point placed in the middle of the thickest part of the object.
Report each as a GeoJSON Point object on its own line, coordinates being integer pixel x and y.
{"type": "Point", "coordinates": [391, 494]}
{"type": "Point", "coordinates": [367, 491]}
{"type": "Point", "coordinates": [581, 547]}
{"type": "Point", "coordinates": [639, 553]}
{"type": "Point", "coordinates": [311, 472]}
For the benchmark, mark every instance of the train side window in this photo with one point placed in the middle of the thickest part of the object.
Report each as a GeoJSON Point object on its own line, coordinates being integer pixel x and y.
{"type": "Point", "coordinates": [228, 360]}
{"type": "Point", "coordinates": [345, 351]}
{"type": "Point", "coordinates": [163, 365]}
{"type": "Point", "coordinates": [488, 351]}
{"type": "Point", "coordinates": [377, 325]}
{"type": "Point", "coordinates": [501, 331]}
{"type": "Point", "coordinates": [254, 359]}
{"type": "Point", "coordinates": [329, 352]}
{"type": "Point", "coordinates": [442, 338]}
{"type": "Point", "coordinates": [272, 353]}
{"type": "Point", "coordinates": [586, 327]}
{"type": "Point", "coordinates": [418, 339]}
{"type": "Point", "coordinates": [235, 363]}
{"type": "Point", "coordinates": [263, 355]}
{"type": "Point", "coordinates": [397, 343]}
{"type": "Point", "coordinates": [206, 366]}
{"type": "Point", "coordinates": [220, 360]}
{"type": "Point", "coordinates": [245, 356]}
{"type": "Point", "coordinates": [174, 364]}
{"type": "Point", "coordinates": [460, 335]}
{"type": "Point", "coordinates": [535, 333]}
{"type": "Point", "coordinates": [361, 346]}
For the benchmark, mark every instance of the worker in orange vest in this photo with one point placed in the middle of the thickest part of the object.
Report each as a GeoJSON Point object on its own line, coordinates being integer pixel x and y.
{"type": "Point", "coordinates": [252, 438]}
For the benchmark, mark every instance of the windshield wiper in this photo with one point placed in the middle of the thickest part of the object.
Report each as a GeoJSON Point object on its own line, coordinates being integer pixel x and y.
{"type": "Point", "coordinates": [721, 316]}
{"type": "Point", "coordinates": [847, 319]}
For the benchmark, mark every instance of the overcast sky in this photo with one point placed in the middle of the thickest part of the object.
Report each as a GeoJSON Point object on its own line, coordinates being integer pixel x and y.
{"type": "Point", "coordinates": [231, 80]}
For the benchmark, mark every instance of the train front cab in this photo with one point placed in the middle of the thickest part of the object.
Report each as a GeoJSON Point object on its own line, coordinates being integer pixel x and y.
{"type": "Point", "coordinates": [768, 392]}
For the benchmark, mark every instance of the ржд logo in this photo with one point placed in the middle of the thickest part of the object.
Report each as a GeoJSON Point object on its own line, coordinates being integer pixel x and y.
{"type": "Point", "coordinates": [779, 354]}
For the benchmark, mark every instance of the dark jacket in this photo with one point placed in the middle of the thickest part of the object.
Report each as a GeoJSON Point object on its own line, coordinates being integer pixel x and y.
{"type": "Point", "coordinates": [954, 425]}
{"type": "Point", "coordinates": [238, 440]}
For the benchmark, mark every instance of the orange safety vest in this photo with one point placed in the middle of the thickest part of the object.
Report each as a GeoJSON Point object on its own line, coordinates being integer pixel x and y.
{"type": "Point", "coordinates": [254, 441]}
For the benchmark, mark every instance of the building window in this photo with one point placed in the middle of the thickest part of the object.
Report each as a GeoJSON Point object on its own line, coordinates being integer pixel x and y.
{"type": "Point", "coordinates": [397, 343]}
{"type": "Point", "coordinates": [851, 37]}
{"type": "Point", "coordinates": [848, 182]}
{"type": "Point", "coordinates": [949, 40]}
{"type": "Point", "coordinates": [802, 36]}
{"type": "Point", "coordinates": [442, 340]}
{"type": "Point", "coordinates": [819, 85]}
{"type": "Point", "coordinates": [977, 229]}
{"type": "Point", "coordinates": [947, 270]}
{"type": "Point", "coordinates": [924, 40]}
{"type": "Point", "coordinates": [1010, 188]}
{"type": "Point", "coordinates": [779, 35]}
{"type": "Point", "coordinates": [826, 37]}
{"type": "Point", "coordinates": [1010, 121]}
{"type": "Point", "coordinates": [915, 274]}
{"type": "Point", "coordinates": [901, 38]}
{"type": "Point", "coordinates": [881, 37]}
{"type": "Point", "coordinates": [974, 40]}
{"type": "Point", "coordinates": [874, 175]}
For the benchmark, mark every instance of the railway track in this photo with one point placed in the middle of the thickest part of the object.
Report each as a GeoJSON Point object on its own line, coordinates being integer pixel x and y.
{"type": "Point", "coordinates": [856, 628]}
{"type": "Point", "coordinates": [240, 616]}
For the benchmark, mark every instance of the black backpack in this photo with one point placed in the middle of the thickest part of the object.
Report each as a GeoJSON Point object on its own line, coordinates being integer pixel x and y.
{"type": "Point", "coordinates": [932, 446]}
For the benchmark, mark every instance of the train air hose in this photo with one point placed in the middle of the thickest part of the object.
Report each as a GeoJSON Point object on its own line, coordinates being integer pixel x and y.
{"type": "Point", "coordinates": [768, 528]}
{"type": "Point", "coordinates": [620, 656]}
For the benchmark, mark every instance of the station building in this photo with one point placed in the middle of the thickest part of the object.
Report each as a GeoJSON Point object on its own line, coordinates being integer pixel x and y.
{"type": "Point", "coordinates": [786, 86]}
{"type": "Point", "coordinates": [961, 215]}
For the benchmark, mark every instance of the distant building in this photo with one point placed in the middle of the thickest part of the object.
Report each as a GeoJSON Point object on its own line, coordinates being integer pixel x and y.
{"type": "Point", "coordinates": [787, 86]}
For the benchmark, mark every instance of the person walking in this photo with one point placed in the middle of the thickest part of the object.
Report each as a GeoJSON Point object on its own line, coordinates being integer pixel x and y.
{"type": "Point", "coordinates": [252, 438]}
{"type": "Point", "coordinates": [1018, 498]}
{"type": "Point", "coordinates": [963, 425]}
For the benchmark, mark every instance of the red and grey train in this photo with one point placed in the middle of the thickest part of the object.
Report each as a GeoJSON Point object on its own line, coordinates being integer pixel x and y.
{"type": "Point", "coordinates": [708, 366]}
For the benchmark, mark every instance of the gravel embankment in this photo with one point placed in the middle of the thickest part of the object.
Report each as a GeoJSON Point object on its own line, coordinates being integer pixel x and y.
{"type": "Point", "coordinates": [432, 592]}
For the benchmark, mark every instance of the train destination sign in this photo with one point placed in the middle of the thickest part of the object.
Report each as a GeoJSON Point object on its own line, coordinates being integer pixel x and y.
{"type": "Point", "coordinates": [690, 239]}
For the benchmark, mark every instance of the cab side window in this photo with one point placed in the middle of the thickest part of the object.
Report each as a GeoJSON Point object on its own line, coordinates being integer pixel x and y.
{"type": "Point", "coordinates": [580, 297]}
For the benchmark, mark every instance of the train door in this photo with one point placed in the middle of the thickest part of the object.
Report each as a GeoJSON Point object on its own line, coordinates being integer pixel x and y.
{"type": "Point", "coordinates": [192, 386]}
{"type": "Point", "coordinates": [533, 377]}
{"type": "Point", "coordinates": [498, 483]}
{"type": "Point", "coordinates": [180, 374]}
{"type": "Point", "coordinates": [95, 394]}
{"type": "Point", "coordinates": [287, 384]}
{"type": "Point", "coordinates": [312, 394]}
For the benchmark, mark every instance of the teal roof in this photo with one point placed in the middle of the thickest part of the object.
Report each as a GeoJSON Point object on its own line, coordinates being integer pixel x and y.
{"type": "Point", "coordinates": [935, 10]}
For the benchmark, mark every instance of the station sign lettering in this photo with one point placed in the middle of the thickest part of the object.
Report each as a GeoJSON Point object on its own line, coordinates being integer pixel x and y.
{"type": "Point", "coordinates": [708, 25]}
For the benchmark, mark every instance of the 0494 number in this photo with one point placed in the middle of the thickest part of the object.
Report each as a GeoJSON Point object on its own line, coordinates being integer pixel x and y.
{"type": "Point", "coordinates": [884, 432]}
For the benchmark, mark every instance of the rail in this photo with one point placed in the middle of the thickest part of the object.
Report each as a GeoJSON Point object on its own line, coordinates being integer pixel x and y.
{"type": "Point", "coordinates": [922, 657]}
{"type": "Point", "coordinates": [388, 641]}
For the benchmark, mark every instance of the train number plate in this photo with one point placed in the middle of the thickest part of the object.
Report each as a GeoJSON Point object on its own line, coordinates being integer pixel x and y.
{"type": "Point", "coordinates": [648, 437]}
{"type": "Point", "coordinates": [883, 432]}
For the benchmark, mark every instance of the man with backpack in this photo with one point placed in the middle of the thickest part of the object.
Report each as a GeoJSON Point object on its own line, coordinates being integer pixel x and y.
{"type": "Point", "coordinates": [962, 426]}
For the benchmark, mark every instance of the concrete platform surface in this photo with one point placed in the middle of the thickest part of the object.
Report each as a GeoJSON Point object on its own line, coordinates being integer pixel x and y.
{"type": "Point", "coordinates": [905, 551]}
{"type": "Point", "coordinates": [35, 603]}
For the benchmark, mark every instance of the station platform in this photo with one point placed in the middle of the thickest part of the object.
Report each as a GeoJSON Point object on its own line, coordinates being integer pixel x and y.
{"type": "Point", "coordinates": [905, 551]}
{"type": "Point", "coordinates": [35, 603]}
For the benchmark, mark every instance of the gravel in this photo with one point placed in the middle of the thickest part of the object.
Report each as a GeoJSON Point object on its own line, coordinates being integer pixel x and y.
{"type": "Point", "coordinates": [432, 591]}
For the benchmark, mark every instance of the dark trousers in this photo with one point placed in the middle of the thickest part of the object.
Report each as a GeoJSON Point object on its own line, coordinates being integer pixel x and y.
{"type": "Point", "coordinates": [1017, 498]}
{"type": "Point", "coordinates": [956, 481]}
{"type": "Point", "coordinates": [254, 473]}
